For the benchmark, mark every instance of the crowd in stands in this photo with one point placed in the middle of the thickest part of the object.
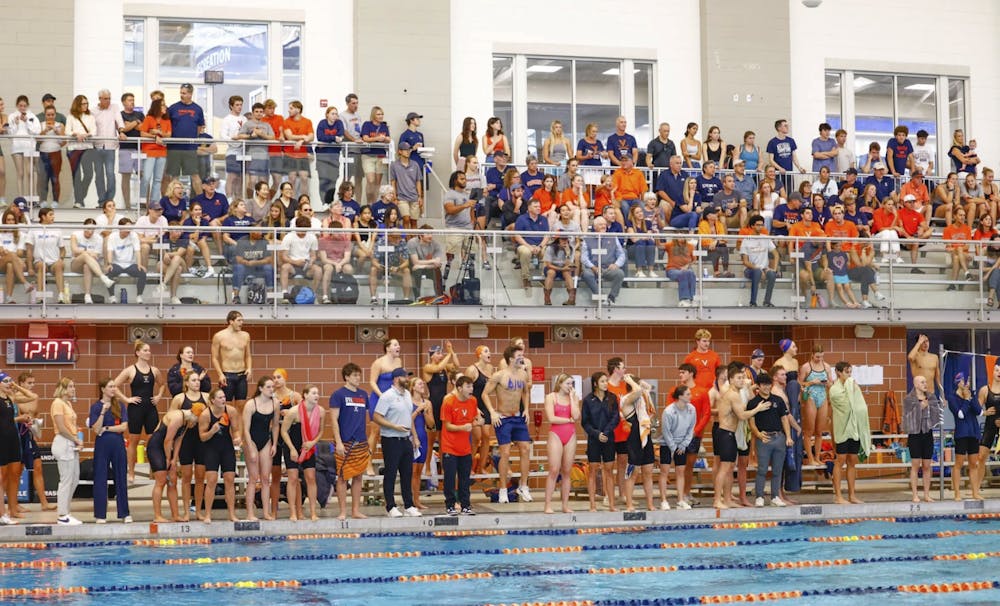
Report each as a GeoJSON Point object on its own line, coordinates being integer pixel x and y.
{"type": "Point", "coordinates": [730, 197]}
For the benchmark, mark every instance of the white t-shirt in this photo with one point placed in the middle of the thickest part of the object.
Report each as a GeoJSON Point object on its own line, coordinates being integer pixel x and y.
{"type": "Point", "coordinates": [757, 251]}
{"type": "Point", "coordinates": [48, 244]}
{"type": "Point", "coordinates": [94, 244]}
{"type": "Point", "coordinates": [352, 123]}
{"type": "Point", "coordinates": [8, 243]}
{"type": "Point", "coordinates": [102, 220]}
{"type": "Point", "coordinates": [123, 251]}
{"type": "Point", "coordinates": [923, 155]}
{"type": "Point", "coordinates": [845, 159]}
{"type": "Point", "coordinates": [299, 247]}
{"type": "Point", "coordinates": [144, 222]}
{"type": "Point", "coordinates": [231, 125]}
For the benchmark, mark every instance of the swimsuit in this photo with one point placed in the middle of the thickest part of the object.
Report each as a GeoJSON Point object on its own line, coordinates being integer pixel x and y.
{"type": "Point", "coordinates": [437, 389]}
{"type": "Point", "coordinates": [156, 451]}
{"type": "Point", "coordinates": [10, 443]}
{"type": "Point", "coordinates": [384, 382]}
{"type": "Point", "coordinates": [816, 393]}
{"type": "Point", "coordinates": [564, 431]}
{"type": "Point", "coordinates": [260, 428]}
{"type": "Point", "coordinates": [142, 416]}
{"type": "Point", "coordinates": [191, 447]}
{"type": "Point", "coordinates": [217, 451]}
{"type": "Point", "coordinates": [420, 426]}
{"type": "Point", "coordinates": [990, 426]}
{"type": "Point", "coordinates": [282, 449]}
{"type": "Point", "coordinates": [477, 392]}
{"type": "Point", "coordinates": [793, 475]}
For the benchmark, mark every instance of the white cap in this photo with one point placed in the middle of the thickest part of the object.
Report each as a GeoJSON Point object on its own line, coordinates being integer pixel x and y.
{"type": "Point", "coordinates": [878, 166]}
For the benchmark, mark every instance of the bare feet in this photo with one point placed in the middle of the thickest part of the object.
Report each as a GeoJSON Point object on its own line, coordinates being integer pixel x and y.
{"type": "Point", "coordinates": [314, 518]}
{"type": "Point", "coordinates": [547, 510]}
{"type": "Point", "coordinates": [420, 506]}
{"type": "Point", "coordinates": [916, 499]}
{"type": "Point", "coordinates": [789, 501]}
{"type": "Point", "coordinates": [234, 519]}
{"type": "Point", "coordinates": [745, 502]}
{"type": "Point", "coordinates": [958, 497]}
{"type": "Point", "coordinates": [840, 500]}
{"type": "Point", "coordinates": [183, 519]}
{"type": "Point", "coordinates": [342, 516]}
{"type": "Point", "coordinates": [856, 501]}
{"type": "Point", "coordinates": [567, 510]}
{"type": "Point", "coordinates": [269, 517]}
{"type": "Point", "coordinates": [293, 518]}
{"type": "Point", "coordinates": [612, 508]}
{"type": "Point", "coordinates": [49, 507]}
{"type": "Point", "coordinates": [593, 508]}
{"type": "Point", "coordinates": [206, 520]}
{"type": "Point", "coordinates": [131, 478]}
{"type": "Point", "coordinates": [720, 505]}
{"type": "Point", "coordinates": [251, 518]}
{"type": "Point", "coordinates": [359, 516]}
{"type": "Point", "coordinates": [160, 520]}
{"type": "Point", "coordinates": [928, 499]}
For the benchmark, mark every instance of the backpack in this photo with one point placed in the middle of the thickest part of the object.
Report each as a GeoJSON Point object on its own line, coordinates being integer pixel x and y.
{"type": "Point", "coordinates": [256, 293]}
{"type": "Point", "coordinates": [344, 289]}
{"type": "Point", "coordinates": [466, 292]}
{"type": "Point", "coordinates": [302, 295]}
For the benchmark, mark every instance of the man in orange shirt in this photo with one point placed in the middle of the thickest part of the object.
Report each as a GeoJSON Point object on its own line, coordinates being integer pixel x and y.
{"type": "Point", "coordinates": [918, 189]}
{"type": "Point", "coordinates": [629, 184]}
{"type": "Point", "coordinates": [619, 386]}
{"type": "Point", "coordinates": [459, 414]}
{"type": "Point", "coordinates": [298, 129]}
{"type": "Point", "coordinates": [814, 266]}
{"type": "Point", "coordinates": [959, 230]}
{"type": "Point", "coordinates": [275, 153]}
{"type": "Point", "coordinates": [703, 359]}
{"type": "Point", "coordinates": [915, 226]}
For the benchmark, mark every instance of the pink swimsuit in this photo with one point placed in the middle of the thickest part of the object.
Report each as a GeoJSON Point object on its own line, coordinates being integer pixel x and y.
{"type": "Point", "coordinates": [564, 431]}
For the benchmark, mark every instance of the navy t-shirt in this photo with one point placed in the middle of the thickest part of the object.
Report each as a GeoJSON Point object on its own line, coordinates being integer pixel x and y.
{"type": "Point", "coordinates": [370, 129]}
{"type": "Point", "coordinates": [621, 145]}
{"type": "Point", "coordinates": [217, 207]}
{"type": "Point", "coordinates": [897, 154]}
{"type": "Point", "coordinates": [531, 183]}
{"type": "Point", "coordinates": [596, 148]}
{"type": "Point", "coordinates": [414, 138]}
{"type": "Point", "coordinates": [671, 185]}
{"type": "Point", "coordinates": [787, 215]}
{"type": "Point", "coordinates": [234, 221]}
{"type": "Point", "coordinates": [351, 209]}
{"type": "Point", "coordinates": [380, 208]}
{"type": "Point", "coordinates": [328, 133]}
{"type": "Point", "coordinates": [353, 406]}
{"type": "Point", "coordinates": [184, 122]}
{"type": "Point", "coordinates": [883, 186]}
{"type": "Point", "coordinates": [782, 150]}
{"type": "Point", "coordinates": [708, 187]}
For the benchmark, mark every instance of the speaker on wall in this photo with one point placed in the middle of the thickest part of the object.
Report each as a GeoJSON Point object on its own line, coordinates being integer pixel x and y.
{"type": "Point", "coordinates": [370, 334]}
{"type": "Point", "coordinates": [536, 339]}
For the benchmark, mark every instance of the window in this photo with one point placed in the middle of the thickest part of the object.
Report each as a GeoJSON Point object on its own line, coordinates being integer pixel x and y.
{"type": "Point", "coordinates": [291, 53]}
{"type": "Point", "coordinates": [134, 59]}
{"type": "Point", "coordinates": [503, 93]}
{"type": "Point", "coordinates": [645, 130]}
{"type": "Point", "coordinates": [834, 100]}
{"type": "Point", "coordinates": [956, 107]}
{"type": "Point", "coordinates": [188, 48]}
{"type": "Point", "coordinates": [873, 108]}
{"type": "Point", "coordinates": [598, 98]}
{"type": "Point", "coordinates": [550, 95]}
{"type": "Point", "coordinates": [916, 98]}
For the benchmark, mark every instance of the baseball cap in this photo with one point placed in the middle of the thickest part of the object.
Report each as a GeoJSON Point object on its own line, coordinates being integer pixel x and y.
{"type": "Point", "coordinates": [851, 171]}
{"type": "Point", "coordinates": [879, 166]}
{"type": "Point", "coordinates": [757, 353]}
{"type": "Point", "coordinates": [500, 152]}
{"type": "Point", "coordinates": [400, 372]}
{"type": "Point", "coordinates": [404, 146]}
{"type": "Point", "coordinates": [738, 161]}
{"type": "Point", "coordinates": [155, 205]}
{"type": "Point", "coordinates": [48, 97]}
{"type": "Point", "coordinates": [517, 186]}
{"type": "Point", "coordinates": [909, 198]}
{"type": "Point", "coordinates": [21, 202]}
{"type": "Point", "coordinates": [410, 116]}
{"type": "Point", "coordinates": [209, 180]}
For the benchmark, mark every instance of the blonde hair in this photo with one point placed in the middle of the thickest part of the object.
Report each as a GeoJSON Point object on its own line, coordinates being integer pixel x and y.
{"type": "Point", "coordinates": [560, 379]}
{"type": "Point", "coordinates": [702, 334]}
{"type": "Point", "coordinates": [62, 387]}
{"type": "Point", "coordinates": [139, 344]}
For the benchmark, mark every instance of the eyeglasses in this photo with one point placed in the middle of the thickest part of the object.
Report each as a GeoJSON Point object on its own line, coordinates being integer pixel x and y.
{"type": "Point", "coordinates": [307, 210]}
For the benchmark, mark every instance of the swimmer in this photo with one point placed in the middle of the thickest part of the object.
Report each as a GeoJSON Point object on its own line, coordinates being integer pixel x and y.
{"type": "Point", "coordinates": [380, 379]}
{"type": "Point", "coordinates": [143, 379]}
{"type": "Point", "coordinates": [506, 396]}
{"type": "Point", "coordinates": [220, 432]}
{"type": "Point", "coordinates": [260, 442]}
{"type": "Point", "coordinates": [817, 377]}
{"type": "Point", "coordinates": [190, 449]}
{"type": "Point", "coordinates": [300, 431]}
{"type": "Point", "coordinates": [562, 411]}
{"type": "Point", "coordinates": [163, 452]}
{"type": "Point", "coordinates": [231, 357]}
{"type": "Point", "coordinates": [348, 414]}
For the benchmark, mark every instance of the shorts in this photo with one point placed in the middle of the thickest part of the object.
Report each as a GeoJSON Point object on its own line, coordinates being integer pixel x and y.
{"type": "Point", "coordinates": [724, 445]}
{"type": "Point", "coordinates": [191, 448]}
{"type": "Point", "coordinates": [236, 386]}
{"type": "Point", "coordinates": [259, 167]}
{"type": "Point", "coordinates": [621, 448]}
{"type": "Point", "coordinates": [454, 244]}
{"type": "Point", "coordinates": [743, 452]}
{"type": "Point", "coordinates": [128, 161]}
{"type": "Point", "coordinates": [921, 445]}
{"type": "Point", "coordinates": [512, 429]}
{"type": "Point", "coordinates": [408, 209]}
{"type": "Point", "coordinates": [848, 447]}
{"type": "Point", "coordinates": [371, 164]}
{"type": "Point", "coordinates": [142, 417]}
{"type": "Point", "coordinates": [695, 446]}
{"type": "Point", "coordinates": [233, 166]}
{"type": "Point", "coordinates": [845, 279]}
{"type": "Point", "coordinates": [600, 452]}
{"type": "Point", "coordinates": [667, 457]}
{"type": "Point", "coordinates": [990, 431]}
{"type": "Point", "coordinates": [276, 163]}
{"type": "Point", "coordinates": [966, 446]}
{"type": "Point", "coordinates": [295, 165]}
{"type": "Point", "coordinates": [181, 162]}
{"type": "Point", "coordinates": [216, 457]}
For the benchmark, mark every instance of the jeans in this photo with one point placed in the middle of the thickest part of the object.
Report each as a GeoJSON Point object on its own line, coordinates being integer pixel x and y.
{"type": "Point", "coordinates": [718, 256]}
{"type": "Point", "coordinates": [132, 270]}
{"type": "Point", "coordinates": [109, 450]}
{"type": "Point", "coordinates": [685, 283]}
{"type": "Point", "coordinates": [68, 460]}
{"type": "Point", "coordinates": [81, 166]}
{"type": "Point", "coordinates": [328, 170]}
{"type": "Point", "coordinates": [687, 221]}
{"type": "Point", "coordinates": [104, 174]}
{"type": "Point", "coordinates": [770, 453]}
{"type": "Point", "coordinates": [397, 454]}
{"type": "Point", "coordinates": [994, 283]}
{"type": "Point", "coordinates": [242, 272]}
{"type": "Point", "coordinates": [643, 253]}
{"type": "Point", "coordinates": [49, 175]}
{"type": "Point", "coordinates": [626, 205]}
{"type": "Point", "coordinates": [461, 466]}
{"type": "Point", "coordinates": [611, 279]}
{"type": "Point", "coordinates": [152, 169]}
{"type": "Point", "coordinates": [755, 275]}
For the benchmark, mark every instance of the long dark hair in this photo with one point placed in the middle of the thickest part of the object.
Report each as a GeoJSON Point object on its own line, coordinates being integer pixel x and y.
{"type": "Point", "coordinates": [261, 382]}
{"type": "Point", "coordinates": [469, 133]}
{"type": "Point", "coordinates": [116, 406]}
{"type": "Point", "coordinates": [594, 380]}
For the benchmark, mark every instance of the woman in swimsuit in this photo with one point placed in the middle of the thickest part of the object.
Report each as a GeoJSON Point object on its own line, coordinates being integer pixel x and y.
{"type": "Point", "coordinates": [143, 379]}
{"type": "Point", "coordinates": [300, 431]}
{"type": "Point", "coordinates": [287, 399]}
{"type": "Point", "coordinates": [480, 373]}
{"type": "Point", "coordinates": [10, 447]}
{"type": "Point", "coordinates": [163, 452]}
{"type": "Point", "coordinates": [380, 379]}
{"type": "Point", "coordinates": [190, 458]}
{"type": "Point", "coordinates": [219, 430]}
{"type": "Point", "coordinates": [691, 148]}
{"type": "Point", "coordinates": [793, 477]}
{"type": "Point", "coordinates": [260, 441]}
{"type": "Point", "coordinates": [423, 419]}
{"type": "Point", "coordinates": [562, 410]}
{"type": "Point", "coordinates": [817, 380]}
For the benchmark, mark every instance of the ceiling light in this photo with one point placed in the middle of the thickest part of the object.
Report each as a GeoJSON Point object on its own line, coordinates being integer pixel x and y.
{"type": "Point", "coordinates": [927, 88]}
{"type": "Point", "coordinates": [861, 82]}
{"type": "Point", "coordinates": [614, 71]}
{"type": "Point", "coordinates": [544, 69]}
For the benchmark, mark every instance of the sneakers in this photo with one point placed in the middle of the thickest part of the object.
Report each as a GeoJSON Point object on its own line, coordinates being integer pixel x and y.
{"type": "Point", "coordinates": [69, 521]}
{"type": "Point", "coordinates": [880, 296]}
{"type": "Point", "coordinates": [100, 521]}
{"type": "Point", "coordinates": [866, 304]}
{"type": "Point", "coordinates": [62, 299]}
{"type": "Point", "coordinates": [759, 502]}
{"type": "Point", "coordinates": [209, 273]}
{"type": "Point", "coordinates": [176, 301]}
{"type": "Point", "coordinates": [683, 505]}
{"type": "Point", "coordinates": [326, 300]}
{"type": "Point", "coordinates": [502, 496]}
{"type": "Point", "coordinates": [395, 513]}
{"type": "Point", "coordinates": [6, 520]}
{"type": "Point", "coordinates": [777, 502]}
{"type": "Point", "coordinates": [127, 520]}
{"type": "Point", "coordinates": [451, 511]}
{"type": "Point", "coordinates": [486, 265]}
{"type": "Point", "coordinates": [640, 274]}
{"type": "Point", "coordinates": [685, 303]}
{"type": "Point", "coordinates": [88, 300]}
{"type": "Point", "coordinates": [158, 292]}
{"type": "Point", "coordinates": [108, 282]}
{"type": "Point", "coordinates": [138, 299]}
{"type": "Point", "coordinates": [197, 271]}
{"type": "Point", "coordinates": [236, 300]}
{"type": "Point", "coordinates": [412, 512]}
{"type": "Point", "coordinates": [664, 506]}
{"type": "Point", "coordinates": [524, 494]}
{"type": "Point", "coordinates": [467, 511]}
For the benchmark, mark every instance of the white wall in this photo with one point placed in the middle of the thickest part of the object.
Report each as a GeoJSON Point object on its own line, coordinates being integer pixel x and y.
{"type": "Point", "coordinates": [922, 33]}
{"type": "Point", "coordinates": [668, 30]}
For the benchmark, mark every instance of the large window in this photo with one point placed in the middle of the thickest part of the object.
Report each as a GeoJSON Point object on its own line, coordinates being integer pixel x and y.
{"type": "Point", "coordinates": [834, 100]}
{"type": "Point", "coordinates": [575, 91]}
{"type": "Point", "coordinates": [134, 59]}
{"type": "Point", "coordinates": [956, 107]}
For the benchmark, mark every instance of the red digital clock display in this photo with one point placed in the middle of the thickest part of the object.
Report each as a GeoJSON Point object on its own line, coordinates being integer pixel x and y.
{"type": "Point", "coordinates": [41, 351]}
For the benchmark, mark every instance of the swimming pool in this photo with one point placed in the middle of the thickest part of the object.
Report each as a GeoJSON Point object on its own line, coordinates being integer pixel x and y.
{"type": "Point", "coordinates": [616, 565]}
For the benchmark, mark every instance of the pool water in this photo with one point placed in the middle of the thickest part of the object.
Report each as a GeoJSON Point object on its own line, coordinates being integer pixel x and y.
{"type": "Point", "coordinates": [659, 564]}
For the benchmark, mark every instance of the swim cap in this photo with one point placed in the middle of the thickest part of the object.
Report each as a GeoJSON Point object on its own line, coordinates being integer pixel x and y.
{"type": "Point", "coordinates": [785, 344]}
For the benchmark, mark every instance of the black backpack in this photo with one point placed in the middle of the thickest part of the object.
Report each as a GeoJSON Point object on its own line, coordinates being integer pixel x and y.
{"type": "Point", "coordinates": [343, 289]}
{"type": "Point", "coordinates": [256, 293]}
{"type": "Point", "coordinates": [465, 292]}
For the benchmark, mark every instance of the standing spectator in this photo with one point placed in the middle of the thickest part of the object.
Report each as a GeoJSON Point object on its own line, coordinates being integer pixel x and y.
{"type": "Point", "coordinates": [22, 124]}
{"type": "Point", "coordinates": [966, 411]}
{"type": "Point", "coordinates": [416, 140]}
{"type": "Point", "coordinates": [459, 417]}
{"type": "Point", "coordinates": [691, 151]}
{"type": "Point", "coordinates": [898, 151]}
{"type": "Point", "coordinates": [375, 130]}
{"type": "Point", "coordinates": [405, 178]}
{"type": "Point", "coordinates": [121, 256]}
{"type": "Point", "coordinates": [66, 446]}
{"type": "Point", "coordinates": [50, 155]}
{"type": "Point", "coordinates": [299, 130]}
{"type": "Point", "coordinates": [255, 130]}
{"type": "Point", "coordinates": [923, 154]}
{"type": "Point", "coordinates": [963, 160]}
{"type": "Point", "coordinates": [80, 149]}
{"type": "Point", "coordinates": [921, 414]}
{"type": "Point", "coordinates": [109, 420]}
{"type": "Point", "coordinates": [466, 144]}
{"type": "Point", "coordinates": [155, 126]}
{"type": "Point", "coordinates": [845, 157]}
{"type": "Point", "coordinates": [329, 132]}
{"type": "Point", "coordinates": [824, 150]}
{"type": "Point", "coordinates": [557, 146]}
{"type": "Point", "coordinates": [773, 437]}
{"type": "Point", "coordinates": [44, 251]}
{"type": "Point", "coordinates": [110, 128]}
{"type": "Point", "coordinates": [851, 430]}
{"type": "Point", "coordinates": [493, 141]}
{"type": "Point", "coordinates": [352, 132]}
{"type": "Point", "coordinates": [676, 434]}
{"type": "Point", "coordinates": [760, 260]}
{"type": "Point", "coordinates": [589, 150]}
{"type": "Point", "coordinates": [275, 153]}
{"type": "Point", "coordinates": [457, 215]}
{"type": "Point", "coordinates": [393, 413]}
{"type": "Point", "coordinates": [714, 147]}
{"type": "Point", "coordinates": [621, 144]}
{"type": "Point", "coordinates": [128, 154]}
{"type": "Point", "coordinates": [749, 153]}
{"type": "Point", "coordinates": [235, 167]}
{"type": "Point", "coordinates": [661, 149]}
{"type": "Point", "coordinates": [187, 120]}
{"type": "Point", "coordinates": [781, 152]}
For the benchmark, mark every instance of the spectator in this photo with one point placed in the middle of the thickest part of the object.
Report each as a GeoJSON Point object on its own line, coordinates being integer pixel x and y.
{"type": "Point", "coordinates": [260, 205]}
{"type": "Point", "coordinates": [198, 240]}
{"type": "Point", "coordinates": [255, 130]}
{"type": "Point", "coordinates": [128, 159]}
{"type": "Point", "coordinates": [187, 120]}
{"type": "Point", "coordinates": [122, 256]}
{"type": "Point", "coordinates": [80, 149]}
{"type": "Point", "coordinates": [886, 225]}
{"type": "Point", "coordinates": [708, 183]}
{"type": "Point", "coordinates": [251, 261]}
{"type": "Point", "coordinates": [397, 265]}
{"type": "Point", "coordinates": [918, 189]}
{"type": "Point", "coordinates": [494, 185]}
{"type": "Point", "coordinates": [670, 185]}
{"type": "Point", "coordinates": [922, 156]}
{"type": "Point", "coordinates": [959, 253]}
{"type": "Point", "coordinates": [814, 268]}
{"type": "Point", "coordinates": [771, 176]}
{"type": "Point", "coordinates": [824, 185]}
{"type": "Point", "coordinates": [329, 132]}
{"type": "Point", "coordinates": [824, 150]}
{"type": "Point", "coordinates": [426, 261]}
{"type": "Point", "coordinates": [845, 157]}
{"type": "Point", "coordinates": [661, 149]}
{"type": "Point", "coordinates": [415, 139]}
{"type": "Point", "coordinates": [717, 252]}
{"type": "Point", "coordinates": [629, 184]}
{"type": "Point", "coordinates": [44, 251]}
{"type": "Point", "coordinates": [972, 197]}
{"type": "Point", "coordinates": [173, 263]}
{"type": "Point", "coordinates": [898, 151]}
{"type": "Point", "coordinates": [237, 218]}
{"type": "Point", "coordinates": [621, 144]}
{"type": "Point", "coordinates": [513, 195]}
{"type": "Point", "coordinates": [532, 178]}
{"type": "Point", "coordinates": [991, 191]}
{"type": "Point", "coordinates": [558, 260]}
{"type": "Point", "coordinates": [786, 215]}
{"type": "Point", "coordinates": [742, 182]}
{"type": "Point", "coordinates": [642, 246]}
{"type": "Point", "coordinates": [493, 141]}
{"type": "Point", "coordinates": [110, 127]}
{"type": "Point", "coordinates": [298, 129]}
{"type": "Point", "coordinates": [50, 155]}
{"type": "Point", "coordinates": [173, 202]}
{"type": "Point", "coordinates": [850, 184]}
{"type": "Point", "coordinates": [915, 227]}
{"type": "Point", "coordinates": [781, 151]}
{"type": "Point", "coordinates": [215, 205]}
{"type": "Point", "coordinates": [335, 247]}
{"type": "Point", "coordinates": [231, 126]}
{"type": "Point", "coordinates": [686, 214]}
{"type": "Point", "coordinates": [466, 144]}
{"type": "Point", "coordinates": [691, 149]}
{"type": "Point", "coordinates": [680, 257]}
{"type": "Point", "coordinates": [961, 159]}
{"type": "Point", "coordinates": [589, 150]}
{"type": "Point", "coordinates": [772, 438]}
{"type": "Point", "coordinates": [529, 247]}
{"type": "Point", "coordinates": [405, 178]}
{"type": "Point", "coordinates": [275, 153]}
{"type": "Point", "coordinates": [23, 124]}
{"type": "Point", "coordinates": [286, 198]}
{"type": "Point", "coordinates": [714, 146]}
{"type": "Point", "coordinates": [149, 229]}
{"type": "Point", "coordinates": [946, 197]}
{"type": "Point", "coordinates": [860, 255]}
{"type": "Point", "coordinates": [760, 260]}
{"type": "Point", "coordinates": [11, 249]}
{"type": "Point", "coordinates": [602, 258]}
{"type": "Point", "coordinates": [874, 157]}
{"type": "Point", "coordinates": [87, 252]}
{"type": "Point", "coordinates": [732, 206]}
{"type": "Point", "coordinates": [555, 149]}
{"type": "Point", "coordinates": [458, 214]}
{"type": "Point", "coordinates": [298, 256]}
{"type": "Point", "coordinates": [821, 214]}
{"type": "Point", "coordinates": [577, 197]}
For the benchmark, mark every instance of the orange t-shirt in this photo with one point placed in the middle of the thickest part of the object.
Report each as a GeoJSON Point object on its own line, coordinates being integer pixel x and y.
{"type": "Point", "coordinates": [958, 232]}
{"type": "Point", "coordinates": [602, 198]}
{"type": "Point", "coordinates": [277, 124]}
{"type": "Point", "coordinates": [629, 185]}
{"type": "Point", "coordinates": [545, 198]}
{"type": "Point", "coordinates": [154, 150]}
{"type": "Point", "coordinates": [620, 390]}
{"type": "Point", "coordinates": [910, 188]}
{"type": "Point", "coordinates": [302, 126]}
{"type": "Point", "coordinates": [847, 230]}
{"type": "Point", "coordinates": [706, 363]}
{"type": "Point", "coordinates": [457, 412]}
{"type": "Point", "coordinates": [568, 196]}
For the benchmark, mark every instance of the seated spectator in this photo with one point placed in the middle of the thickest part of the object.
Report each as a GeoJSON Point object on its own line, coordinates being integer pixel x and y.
{"type": "Point", "coordinates": [838, 262]}
{"type": "Point", "coordinates": [149, 228]}
{"type": "Point", "coordinates": [715, 243]}
{"type": "Point", "coordinates": [972, 197]}
{"type": "Point", "coordinates": [44, 251]}
{"type": "Point", "coordinates": [680, 258]}
{"type": "Point", "coordinates": [884, 184]}
{"type": "Point", "coordinates": [743, 183]}
{"type": "Point", "coordinates": [512, 201]}
{"type": "Point", "coordinates": [214, 204]}
{"type": "Point", "coordinates": [785, 216]}
{"type": "Point", "coordinates": [656, 213]}
{"type": "Point", "coordinates": [427, 257]}
{"type": "Point", "coordinates": [850, 184]}
{"type": "Point", "coordinates": [805, 192]}
{"type": "Point", "coordinates": [857, 216]}
{"type": "Point", "coordinates": [861, 255]}
{"type": "Point", "coordinates": [629, 184]}
{"type": "Point", "coordinates": [392, 219]}
{"type": "Point", "coordinates": [298, 256]}
{"type": "Point", "coordinates": [365, 238]}
{"type": "Point", "coordinates": [814, 269]}
{"type": "Point", "coordinates": [915, 227]}
{"type": "Point", "coordinates": [825, 185]}
{"type": "Point", "coordinates": [572, 170]}
{"type": "Point", "coordinates": [286, 197]}
{"type": "Point", "coordinates": [397, 266]}
{"type": "Point", "coordinates": [122, 256]}
{"type": "Point", "coordinates": [771, 176]}
{"type": "Point", "coordinates": [260, 204]}
{"type": "Point", "coordinates": [686, 214]}
{"type": "Point", "coordinates": [532, 178]}
{"type": "Point", "coordinates": [334, 251]}
{"type": "Point", "coordinates": [602, 258]}
{"type": "Point", "coordinates": [345, 193]}
{"type": "Point", "coordinates": [251, 260]}
{"type": "Point", "coordinates": [708, 183]}
{"type": "Point", "coordinates": [918, 189]}
{"type": "Point", "coordinates": [821, 214]}
{"type": "Point", "coordinates": [306, 210]}
{"type": "Point", "coordinates": [760, 261]}
{"type": "Point", "coordinates": [604, 196]}
{"type": "Point", "coordinates": [765, 200]}
{"type": "Point", "coordinates": [11, 256]}
{"type": "Point", "coordinates": [87, 252]}
{"type": "Point", "coordinates": [174, 262]}
{"type": "Point", "coordinates": [886, 225]}
{"type": "Point", "coordinates": [564, 223]}
{"type": "Point", "coordinates": [386, 200]}
{"type": "Point", "coordinates": [495, 177]}
{"type": "Point", "coordinates": [174, 203]}
{"type": "Point", "coordinates": [670, 185]}
{"type": "Point", "coordinates": [199, 240]}
{"type": "Point", "coordinates": [558, 259]}
{"type": "Point", "coordinates": [642, 246]}
{"type": "Point", "coordinates": [237, 218]}
{"type": "Point", "coordinates": [732, 206]}
{"type": "Point", "coordinates": [275, 220]}
{"type": "Point", "coordinates": [959, 253]}
{"type": "Point", "coordinates": [946, 198]}
{"type": "Point", "coordinates": [548, 196]}
{"type": "Point", "coordinates": [874, 157]}
{"type": "Point", "coordinates": [109, 215]}
{"type": "Point", "coordinates": [530, 247]}
{"type": "Point", "coordinates": [577, 197]}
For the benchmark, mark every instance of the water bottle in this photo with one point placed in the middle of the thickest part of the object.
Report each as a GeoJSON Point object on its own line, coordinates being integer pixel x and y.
{"type": "Point", "coordinates": [704, 272]}
{"type": "Point", "coordinates": [122, 296]}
